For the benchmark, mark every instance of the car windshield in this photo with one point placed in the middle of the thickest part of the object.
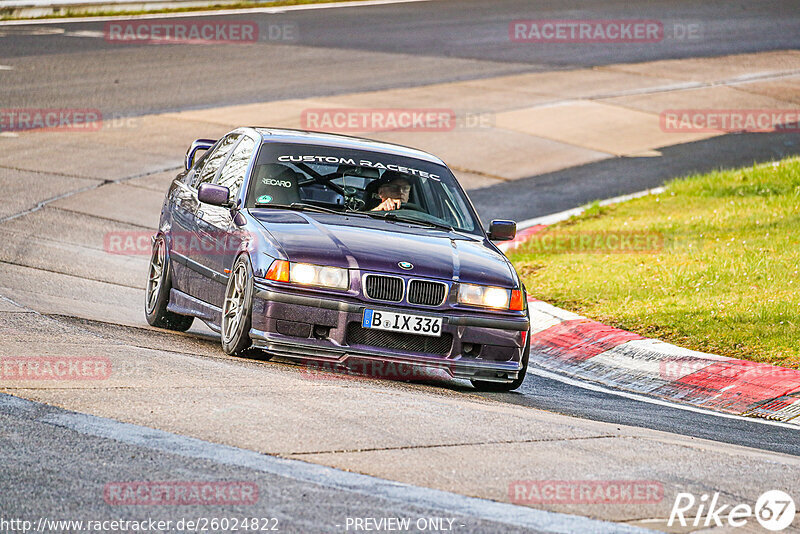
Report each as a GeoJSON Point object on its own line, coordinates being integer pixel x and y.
{"type": "Point", "coordinates": [376, 184]}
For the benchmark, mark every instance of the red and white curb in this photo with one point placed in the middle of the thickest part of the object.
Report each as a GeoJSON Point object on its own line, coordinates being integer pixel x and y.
{"type": "Point", "coordinates": [569, 344]}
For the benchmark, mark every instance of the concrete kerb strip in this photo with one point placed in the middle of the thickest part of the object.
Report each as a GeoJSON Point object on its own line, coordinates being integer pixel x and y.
{"type": "Point", "coordinates": [570, 344]}
{"type": "Point", "coordinates": [526, 228]}
{"type": "Point", "coordinates": [343, 481]}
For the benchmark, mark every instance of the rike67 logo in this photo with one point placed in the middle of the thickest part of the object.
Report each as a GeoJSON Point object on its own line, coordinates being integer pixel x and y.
{"type": "Point", "coordinates": [774, 510]}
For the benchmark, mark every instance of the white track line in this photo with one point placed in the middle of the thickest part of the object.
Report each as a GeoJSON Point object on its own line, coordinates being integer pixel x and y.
{"type": "Point", "coordinates": [566, 214]}
{"type": "Point", "coordinates": [268, 10]}
{"type": "Point", "coordinates": [87, 33]}
{"type": "Point", "coordinates": [652, 400]}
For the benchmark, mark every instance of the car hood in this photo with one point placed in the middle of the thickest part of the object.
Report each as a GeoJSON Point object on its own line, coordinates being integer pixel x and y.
{"type": "Point", "coordinates": [377, 245]}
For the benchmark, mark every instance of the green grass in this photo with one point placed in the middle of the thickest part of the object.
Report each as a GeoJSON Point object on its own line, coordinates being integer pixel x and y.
{"type": "Point", "coordinates": [72, 12]}
{"type": "Point", "coordinates": [725, 280]}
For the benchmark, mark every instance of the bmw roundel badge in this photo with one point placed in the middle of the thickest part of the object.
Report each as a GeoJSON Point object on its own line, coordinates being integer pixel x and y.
{"type": "Point", "coordinates": [405, 265]}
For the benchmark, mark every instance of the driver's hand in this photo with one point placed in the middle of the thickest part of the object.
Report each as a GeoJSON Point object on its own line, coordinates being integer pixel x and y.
{"type": "Point", "coordinates": [388, 205]}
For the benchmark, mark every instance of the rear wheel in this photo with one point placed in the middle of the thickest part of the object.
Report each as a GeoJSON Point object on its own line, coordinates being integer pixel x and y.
{"type": "Point", "coordinates": [484, 385]}
{"type": "Point", "coordinates": [237, 311]}
{"type": "Point", "coordinates": [159, 284]}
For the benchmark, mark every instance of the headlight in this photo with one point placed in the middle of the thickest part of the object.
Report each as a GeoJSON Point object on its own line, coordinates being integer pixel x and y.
{"type": "Point", "coordinates": [486, 296]}
{"type": "Point", "coordinates": [303, 273]}
{"type": "Point", "coordinates": [308, 275]}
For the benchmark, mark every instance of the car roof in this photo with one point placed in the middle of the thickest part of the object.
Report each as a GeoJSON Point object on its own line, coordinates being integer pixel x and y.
{"type": "Point", "coordinates": [286, 135]}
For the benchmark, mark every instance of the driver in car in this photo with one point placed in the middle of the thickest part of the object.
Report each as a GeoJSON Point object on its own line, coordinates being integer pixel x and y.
{"type": "Point", "coordinates": [394, 191]}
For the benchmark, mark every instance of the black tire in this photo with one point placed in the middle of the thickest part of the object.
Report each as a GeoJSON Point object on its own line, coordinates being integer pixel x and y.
{"type": "Point", "coordinates": [237, 309]}
{"type": "Point", "coordinates": [502, 387]}
{"type": "Point", "coordinates": [159, 283]}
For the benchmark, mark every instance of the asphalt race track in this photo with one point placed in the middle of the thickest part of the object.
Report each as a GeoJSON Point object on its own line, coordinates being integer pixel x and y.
{"type": "Point", "coordinates": [358, 49]}
{"type": "Point", "coordinates": [61, 457]}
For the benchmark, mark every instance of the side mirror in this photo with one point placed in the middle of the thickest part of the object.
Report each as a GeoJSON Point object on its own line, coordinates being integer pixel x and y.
{"type": "Point", "coordinates": [216, 195]}
{"type": "Point", "coordinates": [502, 230]}
{"type": "Point", "coordinates": [197, 144]}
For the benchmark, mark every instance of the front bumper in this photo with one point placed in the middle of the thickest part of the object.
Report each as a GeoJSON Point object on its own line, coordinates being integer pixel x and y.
{"type": "Point", "coordinates": [325, 329]}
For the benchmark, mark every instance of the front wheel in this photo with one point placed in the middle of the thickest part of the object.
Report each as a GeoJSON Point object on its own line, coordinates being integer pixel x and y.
{"type": "Point", "coordinates": [483, 385]}
{"type": "Point", "coordinates": [237, 311]}
{"type": "Point", "coordinates": [159, 284]}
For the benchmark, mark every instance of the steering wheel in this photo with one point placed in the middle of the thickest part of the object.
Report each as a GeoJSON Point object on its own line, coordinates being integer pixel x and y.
{"type": "Point", "coordinates": [354, 203]}
{"type": "Point", "coordinates": [350, 194]}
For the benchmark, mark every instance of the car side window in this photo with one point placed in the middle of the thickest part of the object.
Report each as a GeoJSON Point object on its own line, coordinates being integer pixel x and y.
{"type": "Point", "coordinates": [232, 175]}
{"type": "Point", "coordinates": [451, 206]}
{"type": "Point", "coordinates": [214, 160]}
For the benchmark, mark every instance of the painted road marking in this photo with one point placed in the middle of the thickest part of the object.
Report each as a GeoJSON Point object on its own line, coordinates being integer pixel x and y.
{"type": "Point", "coordinates": [218, 12]}
{"type": "Point", "coordinates": [86, 33]}
{"type": "Point", "coordinates": [553, 218]}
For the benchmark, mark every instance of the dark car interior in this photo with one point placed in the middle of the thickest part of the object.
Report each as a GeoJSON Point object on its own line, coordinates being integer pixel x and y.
{"type": "Point", "coordinates": [350, 188]}
{"type": "Point", "coordinates": [275, 183]}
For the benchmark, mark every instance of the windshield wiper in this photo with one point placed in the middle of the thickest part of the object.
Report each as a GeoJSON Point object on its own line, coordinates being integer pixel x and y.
{"type": "Point", "coordinates": [386, 215]}
{"type": "Point", "coordinates": [389, 216]}
{"type": "Point", "coordinates": [302, 206]}
{"type": "Point", "coordinates": [299, 206]}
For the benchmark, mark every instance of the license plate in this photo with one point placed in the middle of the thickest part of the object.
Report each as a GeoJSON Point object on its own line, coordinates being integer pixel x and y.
{"type": "Point", "coordinates": [402, 322]}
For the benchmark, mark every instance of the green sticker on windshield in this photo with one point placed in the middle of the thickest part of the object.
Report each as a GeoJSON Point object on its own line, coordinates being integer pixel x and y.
{"type": "Point", "coordinates": [264, 199]}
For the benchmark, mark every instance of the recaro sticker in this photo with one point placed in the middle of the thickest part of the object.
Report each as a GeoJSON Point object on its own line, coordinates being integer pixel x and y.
{"type": "Point", "coordinates": [279, 183]}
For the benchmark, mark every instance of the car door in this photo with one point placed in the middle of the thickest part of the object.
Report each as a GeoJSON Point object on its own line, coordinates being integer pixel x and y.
{"type": "Point", "coordinates": [182, 206]}
{"type": "Point", "coordinates": [195, 246]}
{"type": "Point", "coordinates": [219, 235]}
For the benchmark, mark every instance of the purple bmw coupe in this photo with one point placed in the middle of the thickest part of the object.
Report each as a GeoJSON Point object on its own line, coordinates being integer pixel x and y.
{"type": "Point", "coordinates": [327, 248]}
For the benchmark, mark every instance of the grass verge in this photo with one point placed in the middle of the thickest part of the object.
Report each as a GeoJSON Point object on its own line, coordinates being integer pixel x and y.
{"type": "Point", "coordinates": [715, 269]}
